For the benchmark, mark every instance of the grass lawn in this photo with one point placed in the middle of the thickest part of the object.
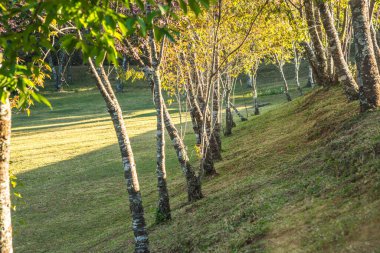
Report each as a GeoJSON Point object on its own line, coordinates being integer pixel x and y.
{"type": "Point", "coordinates": [280, 187]}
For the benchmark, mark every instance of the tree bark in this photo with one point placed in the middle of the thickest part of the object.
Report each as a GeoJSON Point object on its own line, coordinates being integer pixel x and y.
{"type": "Point", "coordinates": [120, 81]}
{"type": "Point", "coordinates": [51, 64]}
{"type": "Point", "coordinates": [129, 165]}
{"type": "Point", "coordinates": [229, 119]}
{"type": "Point", "coordinates": [366, 61]}
{"type": "Point", "coordinates": [376, 47]}
{"type": "Point", "coordinates": [194, 191]}
{"type": "Point", "coordinates": [60, 73]}
{"type": "Point", "coordinates": [343, 72]}
{"type": "Point", "coordinates": [195, 113]}
{"type": "Point", "coordinates": [297, 63]}
{"type": "Point", "coordinates": [320, 60]}
{"type": "Point", "coordinates": [163, 210]}
{"type": "Point", "coordinates": [5, 200]}
{"type": "Point", "coordinates": [310, 80]}
{"type": "Point", "coordinates": [313, 62]}
{"type": "Point", "coordinates": [201, 119]}
{"type": "Point", "coordinates": [213, 144]}
{"type": "Point", "coordinates": [216, 149]}
{"type": "Point", "coordinates": [286, 86]}
{"type": "Point", "coordinates": [254, 88]}
{"type": "Point", "coordinates": [205, 137]}
{"type": "Point", "coordinates": [215, 120]}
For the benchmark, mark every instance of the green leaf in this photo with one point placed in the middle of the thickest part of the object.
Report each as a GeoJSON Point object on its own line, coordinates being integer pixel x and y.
{"type": "Point", "coordinates": [18, 195]}
{"type": "Point", "coordinates": [4, 94]}
{"type": "Point", "coordinates": [110, 23]}
{"type": "Point", "coordinates": [158, 34]}
{"type": "Point", "coordinates": [13, 183]}
{"type": "Point", "coordinates": [150, 17]}
{"type": "Point", "coordinates": [194, 5]}
{"type": "Point", "coordinates": [100, 57]}
{"type": "Point", "coordinates": [205, 3]}
{"type": "Point", "coordinates": [2, 7]}
{"type": "Point", "coordinates": [21, 101]}
{"type": "Point", "coordinates": [142, 26]}
{"type": "Point", "coordinates": [123, 28]}
{"type": "Point", "coordinates": [40, 99]}
{"type": "Point", "coordinates": [68, 42]}
{"type": "Point", "coordinates": [140, 4]}
{"type": "Point", "coordinates": [163, 9]}
{"type": "Point", "coordinates": [130, 24]}
{"type": "Point", "coordinates": [183, 6]}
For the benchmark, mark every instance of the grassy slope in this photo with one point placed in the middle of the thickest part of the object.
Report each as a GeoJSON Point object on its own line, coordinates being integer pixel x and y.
{"type": "Point", "coordinates": [299, 177]}
{"type": "Point", "coordinates": [303, 177]}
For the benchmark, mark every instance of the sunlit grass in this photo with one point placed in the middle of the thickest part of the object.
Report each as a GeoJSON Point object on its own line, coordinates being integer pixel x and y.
{"type": "Point", "coordinates": [279, 188]}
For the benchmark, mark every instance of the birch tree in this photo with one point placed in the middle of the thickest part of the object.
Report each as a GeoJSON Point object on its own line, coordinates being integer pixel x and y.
{"type": "Point", "coordinates": [343, 72]}
{"type": "Point", "coordinates": [365, 57]}
{"type": "Point", "coordinates": [151, 68]}
{"type": "Point", "coordinates": [316, 51]}
{"type": "Point", "coordinates": [98, 44]}
{"type": "Point", "coordinates": [5, 200]}
{"type": "Point", "coordinates": [297, 64]}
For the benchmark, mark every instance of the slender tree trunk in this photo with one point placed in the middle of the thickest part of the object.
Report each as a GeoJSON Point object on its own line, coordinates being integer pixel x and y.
{"type": "Point", "coordinates": [313, 62]}
{"type": "Point", "coordinates": [196, 114]}
{"type": "Point", "coordinates": [319, 26]}
{"type": "Point", "coordinates": [254, 88]}
{"type": "Point", "coordinates": [366, 61]}
{"type": "Point", "coordinates": [69, 71]}
{"type": "Point", "coordinates": [194, 191]}
{"type": "Point", "coordinates": [346, 44]}
{"type": "Point", "coordinates": [163, 211]}
{"type": "Point", "coordinates": [286, 86]}
{"type": "Point", "coordinates": [343, 72]}
{"type": "Point", "coordinates": [215, 120]}
{"type": "Point", "coordinates": [121, 75]}
{"type": "Point", "coordinates": [229, 118]}
{"type": "Point", "coordinates": [152, 72]}
{"type": "Point", "coordinates": [5, 200]}
{"type": "Point", "coordinates": [376, 47]}
{"type": "Point", "coordinates": [297, 63]}
{"type": "Point", "coordinates": [60, 75]}
{"type": "Point", "coordinates": [129, 165]}
{"type": "Point", "coordinates": [310, 80]}
{"type": "Point", "coordinates": [51, 64]}
{"type": "Point", "coordinates": [207, 138]}
{"type": "Point", "coordinates": [201, 120]}
{"type": "Point", "coordinates": [216, 149]}
{"type": "Point", "coordinates": [207, 164]}
{"type": "Point", "coordinates": [320, 60]}
{"type": "Point", "coordinates": [207, 161]}
{"type": "Point", "coordinates": [330, 65]}
{"type": "Point", "coordinates": [345, 33]}
{"type": "Point", "coordinates": [213, 144]}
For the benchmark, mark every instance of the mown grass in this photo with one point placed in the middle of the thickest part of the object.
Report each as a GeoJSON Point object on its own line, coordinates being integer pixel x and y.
{"type": "Point", "coordinates": [301, 177]}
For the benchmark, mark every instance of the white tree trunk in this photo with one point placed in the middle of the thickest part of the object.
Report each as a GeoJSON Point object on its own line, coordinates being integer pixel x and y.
{"type": "Point", "coordinates": [5, 201]}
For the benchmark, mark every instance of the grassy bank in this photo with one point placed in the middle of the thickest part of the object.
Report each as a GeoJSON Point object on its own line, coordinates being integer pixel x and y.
{"type": "Point", "coordinates": [301, 177]}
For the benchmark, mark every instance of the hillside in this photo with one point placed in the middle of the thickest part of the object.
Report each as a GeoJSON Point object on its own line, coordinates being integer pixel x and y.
{"type": "Point", "coordinates": [301, 177]}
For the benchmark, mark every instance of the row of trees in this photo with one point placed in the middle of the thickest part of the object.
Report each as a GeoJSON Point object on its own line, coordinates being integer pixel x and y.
{"type": "Point", "coordinates": [199, 55]}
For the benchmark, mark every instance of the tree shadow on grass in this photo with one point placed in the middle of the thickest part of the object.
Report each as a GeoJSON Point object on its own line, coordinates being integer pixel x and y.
{"type": "Point", "coordinates": [72, 205]}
